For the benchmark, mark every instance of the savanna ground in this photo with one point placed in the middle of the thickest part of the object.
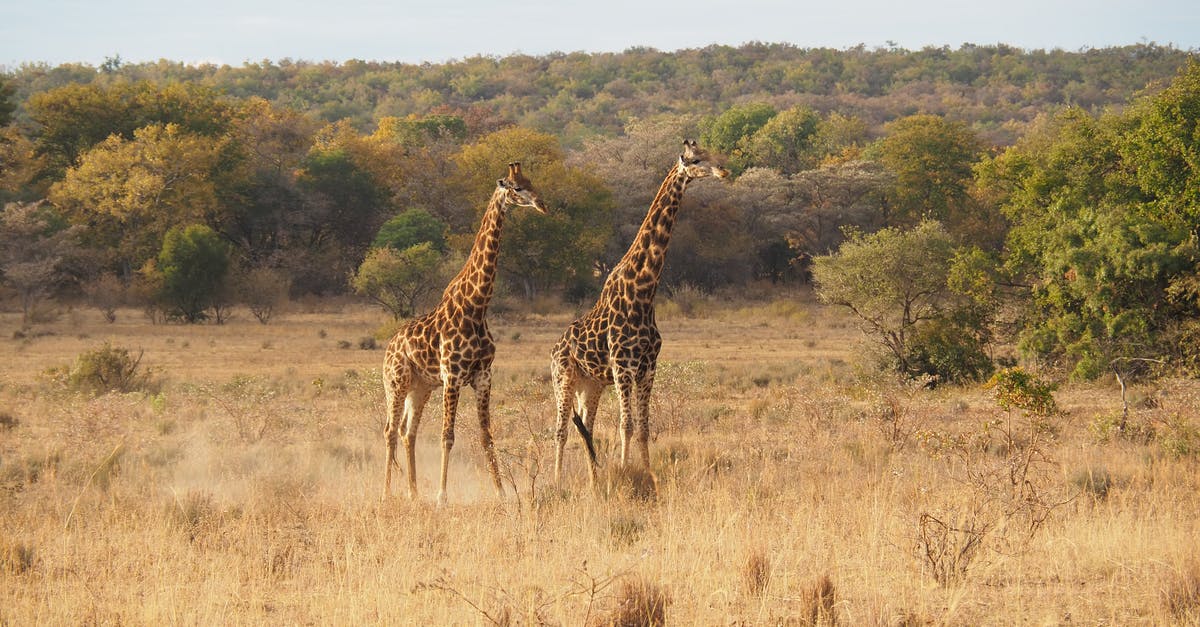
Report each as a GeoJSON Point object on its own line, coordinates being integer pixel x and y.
{"type": "Point", "coordinates": [241, 485]}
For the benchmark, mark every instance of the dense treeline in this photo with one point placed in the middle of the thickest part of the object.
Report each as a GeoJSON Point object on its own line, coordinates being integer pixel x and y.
{"type": "Point", "coordinates": [1055, 191]}
{"type": "Point", "coordinates": [573, 95]}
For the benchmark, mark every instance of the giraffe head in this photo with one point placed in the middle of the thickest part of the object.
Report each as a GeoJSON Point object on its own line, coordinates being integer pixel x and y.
{"type": "Point", "coordinates": [518, 191]}
{"type": "Point", "coordinates": [699, 163]}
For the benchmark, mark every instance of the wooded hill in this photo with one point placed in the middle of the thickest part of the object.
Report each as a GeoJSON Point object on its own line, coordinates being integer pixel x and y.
{"type": "Point", "coordinates": [992, 88]}
{"type": "Point", "coordinates": [1057, 192]}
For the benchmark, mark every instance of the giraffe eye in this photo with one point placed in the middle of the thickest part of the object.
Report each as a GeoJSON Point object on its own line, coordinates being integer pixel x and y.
{"type": "Point", "coordinates": [695, 161]}
{"type": "Point", "coordinates": [518, 189]}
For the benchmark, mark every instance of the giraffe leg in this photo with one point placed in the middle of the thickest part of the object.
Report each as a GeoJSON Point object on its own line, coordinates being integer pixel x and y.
{"type": "Point", "coordinates": [564, 377]}
{"type": "Point", "coordinates": [483, 392]}
{"type": "Point", "coordinates": [450, 393]}
{"type": "Point", "coordinates": [591, 402]}
{"type": "Point", "coordinates": [395, 387]}
{"type": "Point", "coordinates": [625, 397]}
{"type": "Point", "coordinates": [643, 416]}
{"type": "Point", "coordinates": [414, 405]}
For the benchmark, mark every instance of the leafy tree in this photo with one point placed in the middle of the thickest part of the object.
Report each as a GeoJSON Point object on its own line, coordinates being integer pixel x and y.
{"type": "Point", "coordinates": [38, 253]}
{"type": "Point", "coordinates": [539, 251]}
{"type": "Point", "coordinates": [19, 167]}
{"type": "Point", "coordinates": [924, 301]}
{"type": "Point", "coordinates": [270, 144]}
{"type": "Point", "coordinates": [76, 117]}
{"type": "Point", "coordinates": [129, 193]}
{"type": "Point", "coordinates": [398, 280]}
{"type": "Point", "coordinates": [931, 158]}
{"type": "Point", "coordinates": [1102, 232]}
{"type": "Point", "coordinates": [410, 228]}
{"type": "Point", "coordinates": [191, 270]}
{"type": "Point", "coordinates": [415, 131]}
{"type": "Point", "coordinates": [7, 106]}
{"type": "Point", "coordinates": [732, 132]}
{"type": "Point", "coordinates": [785, 142]}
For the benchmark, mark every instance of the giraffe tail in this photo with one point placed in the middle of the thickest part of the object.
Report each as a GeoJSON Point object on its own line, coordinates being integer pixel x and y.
{"type": "Point", "coordinates": [587, 437]}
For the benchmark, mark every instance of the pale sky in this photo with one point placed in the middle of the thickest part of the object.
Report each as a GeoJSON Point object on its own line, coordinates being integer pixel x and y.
{"type": "Point", "coordinates": [237, 31]}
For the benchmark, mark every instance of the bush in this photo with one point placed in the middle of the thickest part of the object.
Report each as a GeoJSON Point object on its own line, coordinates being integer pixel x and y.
{"type": "Point", "coordinates": [192, 267]}
{"type": "Point", "coordinates": [107, 369]}
{"type": "Point", "coordinates": [949, 351]}
{"type": "Point", "coordinates": [1015, 388]}
{"type": "Point", "coordinates": [264, 291]}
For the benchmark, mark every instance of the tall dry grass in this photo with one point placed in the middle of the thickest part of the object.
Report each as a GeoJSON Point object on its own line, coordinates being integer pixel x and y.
{"type": "Point", "coordinates": [788, 488]}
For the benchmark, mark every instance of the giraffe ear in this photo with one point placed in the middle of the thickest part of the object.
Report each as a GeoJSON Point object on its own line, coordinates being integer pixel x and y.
{"type": "Point", "coordinates": [503, 183]}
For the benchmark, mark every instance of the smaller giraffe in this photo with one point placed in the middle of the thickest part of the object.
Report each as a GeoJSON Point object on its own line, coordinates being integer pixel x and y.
{"type": "Point", "coordinates": [617, 342]}
{"type": "Point", "coordinates": [451, 346]}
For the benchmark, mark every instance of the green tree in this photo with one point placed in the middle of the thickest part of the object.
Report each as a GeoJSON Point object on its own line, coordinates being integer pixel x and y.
{"type": "Point", "coordinates": [129, 193]}
{"type": "Point", "coordinates": [399, 280]}
{"type": "Point", "coordinates": [72, 119]}
{"type": "Point", "coordinates": [931, 158]}
{"type": "Point", "coordinates": [7, 106]}
{"type": "Point", "coordinates": [785, 142]}
{"type": "Point", "coordinates": [925, 301]}
{"type": "Point", "coordinates": [191, 270]}
{"type": "Point", "coordinates": [1102, 231]}
{"type": "Point", "coordinates": [410, 228]}
{"type": "Point", "coordinates": [732, 132]}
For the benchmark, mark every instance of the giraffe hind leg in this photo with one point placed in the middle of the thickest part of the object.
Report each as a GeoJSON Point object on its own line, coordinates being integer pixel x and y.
{"type": "Point", "coordinates": [591, 402]}
{"type": "Point", "coordinates": [563, 390]}
{"type": "Point", "coordinates": [414, 405]}
{"type": "Point", "coordinates": [395, 388]}
{"type": "Point", "coordinates": [483, 391]}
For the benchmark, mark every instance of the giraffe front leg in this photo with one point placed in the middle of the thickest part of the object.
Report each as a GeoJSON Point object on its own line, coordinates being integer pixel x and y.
{"type": "Point", "coordinates": [449, 409]}
{"type": "Point", "coordinates": [643, 417]}
{"type": "Point", "coordinates": [625, 392]}
{"type": "Point", "coordinates": [483, 392]}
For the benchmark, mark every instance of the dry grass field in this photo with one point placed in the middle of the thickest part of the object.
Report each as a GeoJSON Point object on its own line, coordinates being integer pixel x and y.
{"type": "Point", "coordinates": [241, 485]}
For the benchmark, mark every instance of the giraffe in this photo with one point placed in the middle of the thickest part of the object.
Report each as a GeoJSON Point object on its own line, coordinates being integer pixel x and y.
{"type": "Point", "coordinates": [451, 346]}
{"type": "Point", "coordinates": [617, 342]}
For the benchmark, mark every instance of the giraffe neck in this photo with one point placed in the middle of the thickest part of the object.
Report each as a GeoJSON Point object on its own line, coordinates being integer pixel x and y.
{"type": "Point", "coordinates": [643, 263]}
{"type": "Point", "coordinates": [472, 288]}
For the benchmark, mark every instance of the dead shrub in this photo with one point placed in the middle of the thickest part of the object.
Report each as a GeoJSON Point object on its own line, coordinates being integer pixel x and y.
{"type": "Point", "coordinates": [637, 603]}
{"type": "Point", "coordinates": [817, 603]}
{"type": "Point", "coordinates": [1181, 594]}
{"type": "Point", "coordinates": [629, 481]}
{"type": "Point", "coordinates": [756, 572]}
{"type": "Point", "coordinates": [15, 557]}
{"type": "Point", "coordinates": [949, 549]}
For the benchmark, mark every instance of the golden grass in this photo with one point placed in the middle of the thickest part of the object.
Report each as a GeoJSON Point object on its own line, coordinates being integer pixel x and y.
{"type": "Point", "coordinates": [245, 489]}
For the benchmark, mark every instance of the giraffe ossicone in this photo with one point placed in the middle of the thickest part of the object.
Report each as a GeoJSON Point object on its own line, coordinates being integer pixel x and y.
{"type": "Point", "coordinates": [451, 347]}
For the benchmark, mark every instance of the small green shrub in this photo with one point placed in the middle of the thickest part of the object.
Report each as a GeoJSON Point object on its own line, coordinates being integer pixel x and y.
{"type": "Point", "coordinates": [949, 351]}
{"type": "Point", "coordinates": [106, 368]}
{"type": "Point", "coordinates": [1179, 438]}
{"type": "Point", "coordinates": [1015, 388]}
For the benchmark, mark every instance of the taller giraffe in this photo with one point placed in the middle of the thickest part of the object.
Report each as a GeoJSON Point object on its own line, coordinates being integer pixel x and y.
{"type": "Point", "coordinates": [617, 342]}
{"type": "Point", "coordinates": [451, 345]}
